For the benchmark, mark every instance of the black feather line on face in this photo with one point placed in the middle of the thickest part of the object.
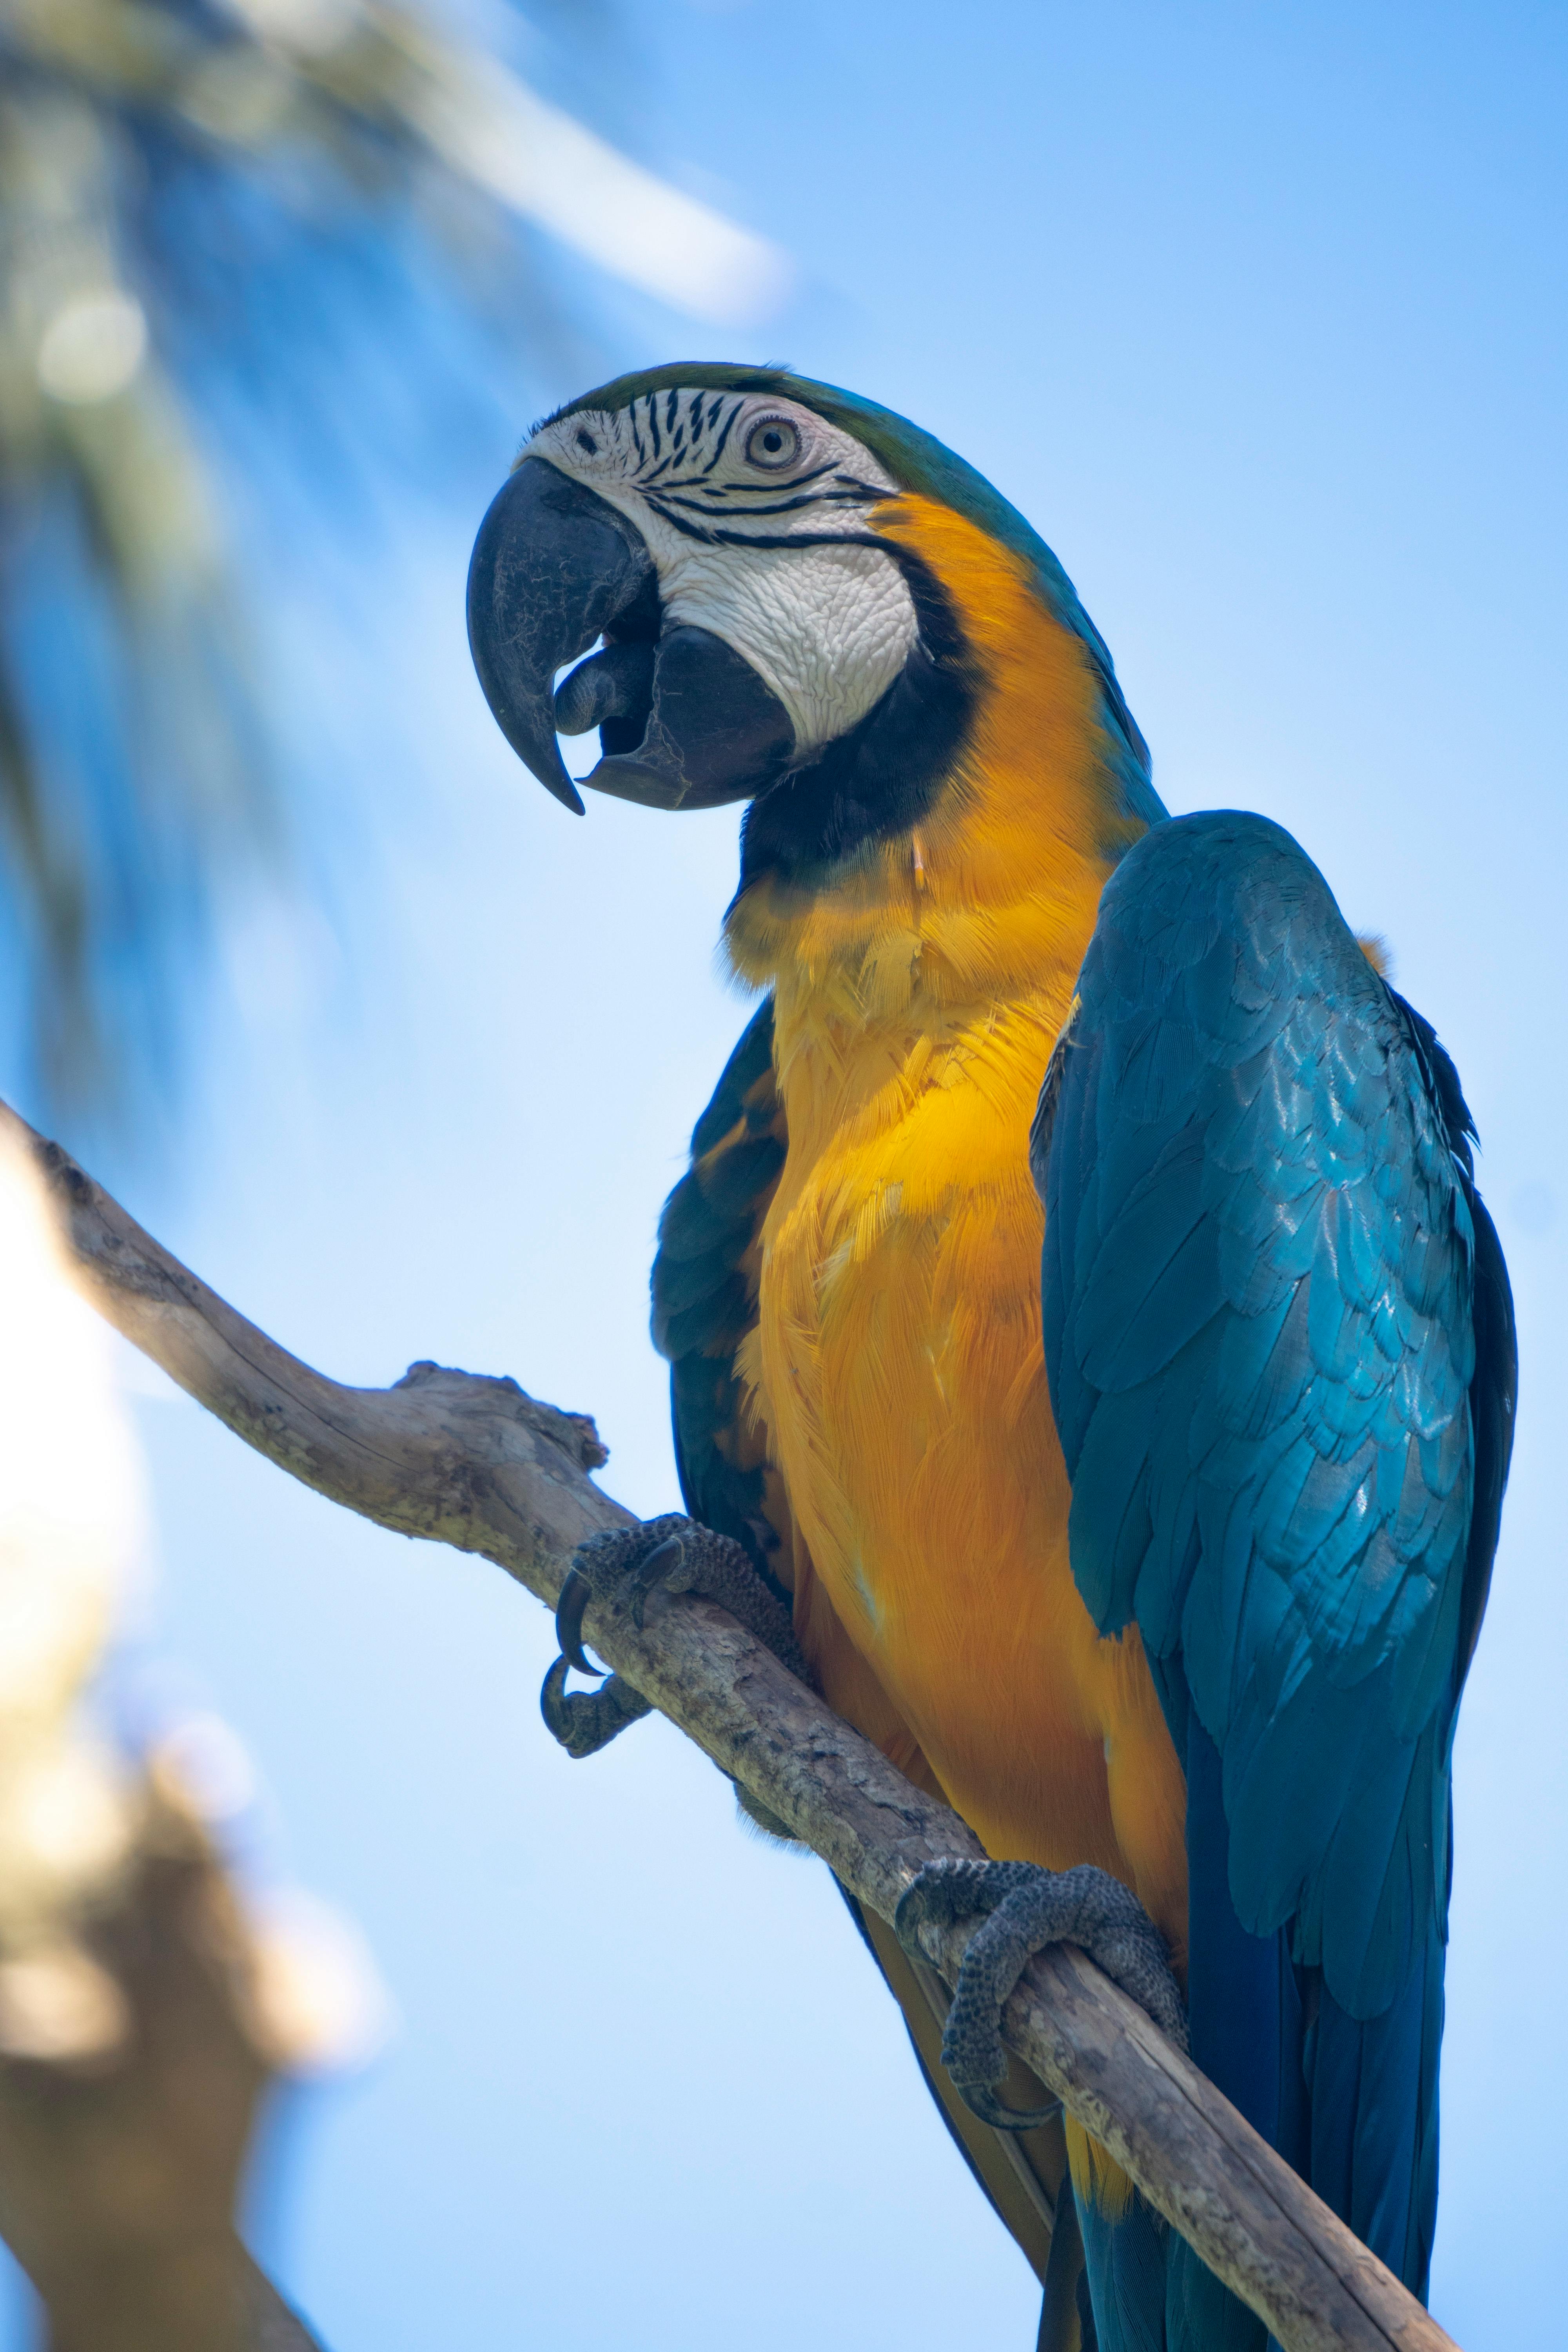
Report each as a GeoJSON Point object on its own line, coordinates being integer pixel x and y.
{"type": "Point", "coordinates": [719, 447]}
{"type": "Point", "coordinates": [716, 538]}
{"type": "Point", "coordinates": [718, 493]}
{"type": "Point", "coordinates": [669, 495]}
{"type": "Point", "coordinates": [883, 777]}
{"type": "Point", "coordinates": [767, 490]}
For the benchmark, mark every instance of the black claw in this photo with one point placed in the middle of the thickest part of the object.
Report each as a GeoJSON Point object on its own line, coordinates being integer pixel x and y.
{"type": "Point", "coordinates": [662, 1560]}
{"type": "Point", "coordinates": [586, 1721]}
{"type": "Point", "coordinates": [575, 1595]}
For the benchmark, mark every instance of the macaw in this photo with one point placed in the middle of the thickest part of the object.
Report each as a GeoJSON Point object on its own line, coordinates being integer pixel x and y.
{"type": "Point", "coordinates": [1087, 1340]}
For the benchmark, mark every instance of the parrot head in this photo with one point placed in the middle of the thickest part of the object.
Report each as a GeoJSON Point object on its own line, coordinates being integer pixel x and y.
{"type": "Point", "coordinates": [789, 584]}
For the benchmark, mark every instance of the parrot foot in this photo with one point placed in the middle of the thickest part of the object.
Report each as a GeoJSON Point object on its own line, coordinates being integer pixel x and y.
{"type": "Point", "coordinates": [622, 1568]}
{"type": "Point", "coordinates": [586, 1721]}
{"type": "Point", "coordinates": [1023, 1909]}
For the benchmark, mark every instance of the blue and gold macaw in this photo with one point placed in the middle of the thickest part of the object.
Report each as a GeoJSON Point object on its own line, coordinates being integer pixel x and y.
{"type": "Point", "coordinates": [1164, 1570]}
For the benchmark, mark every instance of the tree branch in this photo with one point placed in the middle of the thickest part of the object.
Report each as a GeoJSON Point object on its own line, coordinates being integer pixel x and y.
{"type": "Point", "coordinates": [475, 1463]}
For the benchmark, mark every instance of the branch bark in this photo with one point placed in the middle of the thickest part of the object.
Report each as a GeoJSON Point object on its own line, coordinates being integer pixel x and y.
{"type": "Point", "coordinates": [478, 1464]}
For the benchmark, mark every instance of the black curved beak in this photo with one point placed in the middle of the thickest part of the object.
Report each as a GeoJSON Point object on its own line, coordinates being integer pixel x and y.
{"type": "Point", "coordinates": [685, 721]}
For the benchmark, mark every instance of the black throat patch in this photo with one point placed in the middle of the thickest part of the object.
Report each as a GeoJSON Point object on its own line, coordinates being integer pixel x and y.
{"type": "Point", "coordinates": [883, 776]}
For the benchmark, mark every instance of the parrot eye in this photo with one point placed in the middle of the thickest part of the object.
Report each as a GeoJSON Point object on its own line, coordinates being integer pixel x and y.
{"type": "Point", "coordinates": [772, 443]}
{"type": "Point", "coordinates": [586, 441]}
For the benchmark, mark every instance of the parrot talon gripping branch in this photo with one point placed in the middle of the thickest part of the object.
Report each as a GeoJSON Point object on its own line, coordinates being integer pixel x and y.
{"type": "Point", "coordinates": [1135, 1489]}
{"type": "Point", "coordinates": [622, 1569]}
{"type": "Point", "coordinates": [1025, 1909]}
{"type": "Point", "coordinates": [624, 1566]}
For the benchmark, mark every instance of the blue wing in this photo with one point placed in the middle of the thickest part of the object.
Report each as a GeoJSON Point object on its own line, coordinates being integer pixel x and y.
{"type": "Point", "coordinates": [1279, 1346]}
{"type": "Point", "coordinates": [705, 1295]}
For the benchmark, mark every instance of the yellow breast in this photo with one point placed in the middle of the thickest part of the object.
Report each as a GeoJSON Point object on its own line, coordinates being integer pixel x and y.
{"type": "Point", "coordinates": [897, 1365]}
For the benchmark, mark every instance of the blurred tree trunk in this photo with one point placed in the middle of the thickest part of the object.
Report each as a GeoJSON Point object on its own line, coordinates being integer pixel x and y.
{"type": "Point", "coordinates": [122, 2159]}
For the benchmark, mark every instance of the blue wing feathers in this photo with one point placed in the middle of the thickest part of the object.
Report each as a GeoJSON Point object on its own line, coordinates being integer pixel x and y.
{"type": "Point", "coordinates": [1236, 1073]}
{"type": "Point", "coordinates": [704, 1297]}
{"type": "Point", "coordinates": [1279, 1346]}
{"type": "Point", "coordinates": [1492, 1402]}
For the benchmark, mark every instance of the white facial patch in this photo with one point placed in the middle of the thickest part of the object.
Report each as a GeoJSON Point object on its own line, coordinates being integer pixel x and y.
{"type": "Point", "coordinates": [751, 507]}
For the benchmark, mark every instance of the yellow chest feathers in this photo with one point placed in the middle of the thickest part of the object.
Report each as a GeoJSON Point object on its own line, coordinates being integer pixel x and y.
{"type": "Point", "coordinates": [897, 1359]}
{"type": "Point", "coordinates": [897, 1364]}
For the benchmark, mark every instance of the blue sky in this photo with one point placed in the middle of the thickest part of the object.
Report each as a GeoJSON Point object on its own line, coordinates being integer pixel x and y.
{"type": "Point", "coordinates": [1257, 315]}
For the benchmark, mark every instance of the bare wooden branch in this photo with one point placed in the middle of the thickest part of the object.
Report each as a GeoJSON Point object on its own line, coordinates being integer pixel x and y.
{"type": "Point", "coordinates": [475, 1463]}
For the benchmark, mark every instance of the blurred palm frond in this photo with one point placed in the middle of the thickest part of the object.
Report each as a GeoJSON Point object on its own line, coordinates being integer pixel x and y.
{"type": "Point", "coordinates": [190, 191]}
